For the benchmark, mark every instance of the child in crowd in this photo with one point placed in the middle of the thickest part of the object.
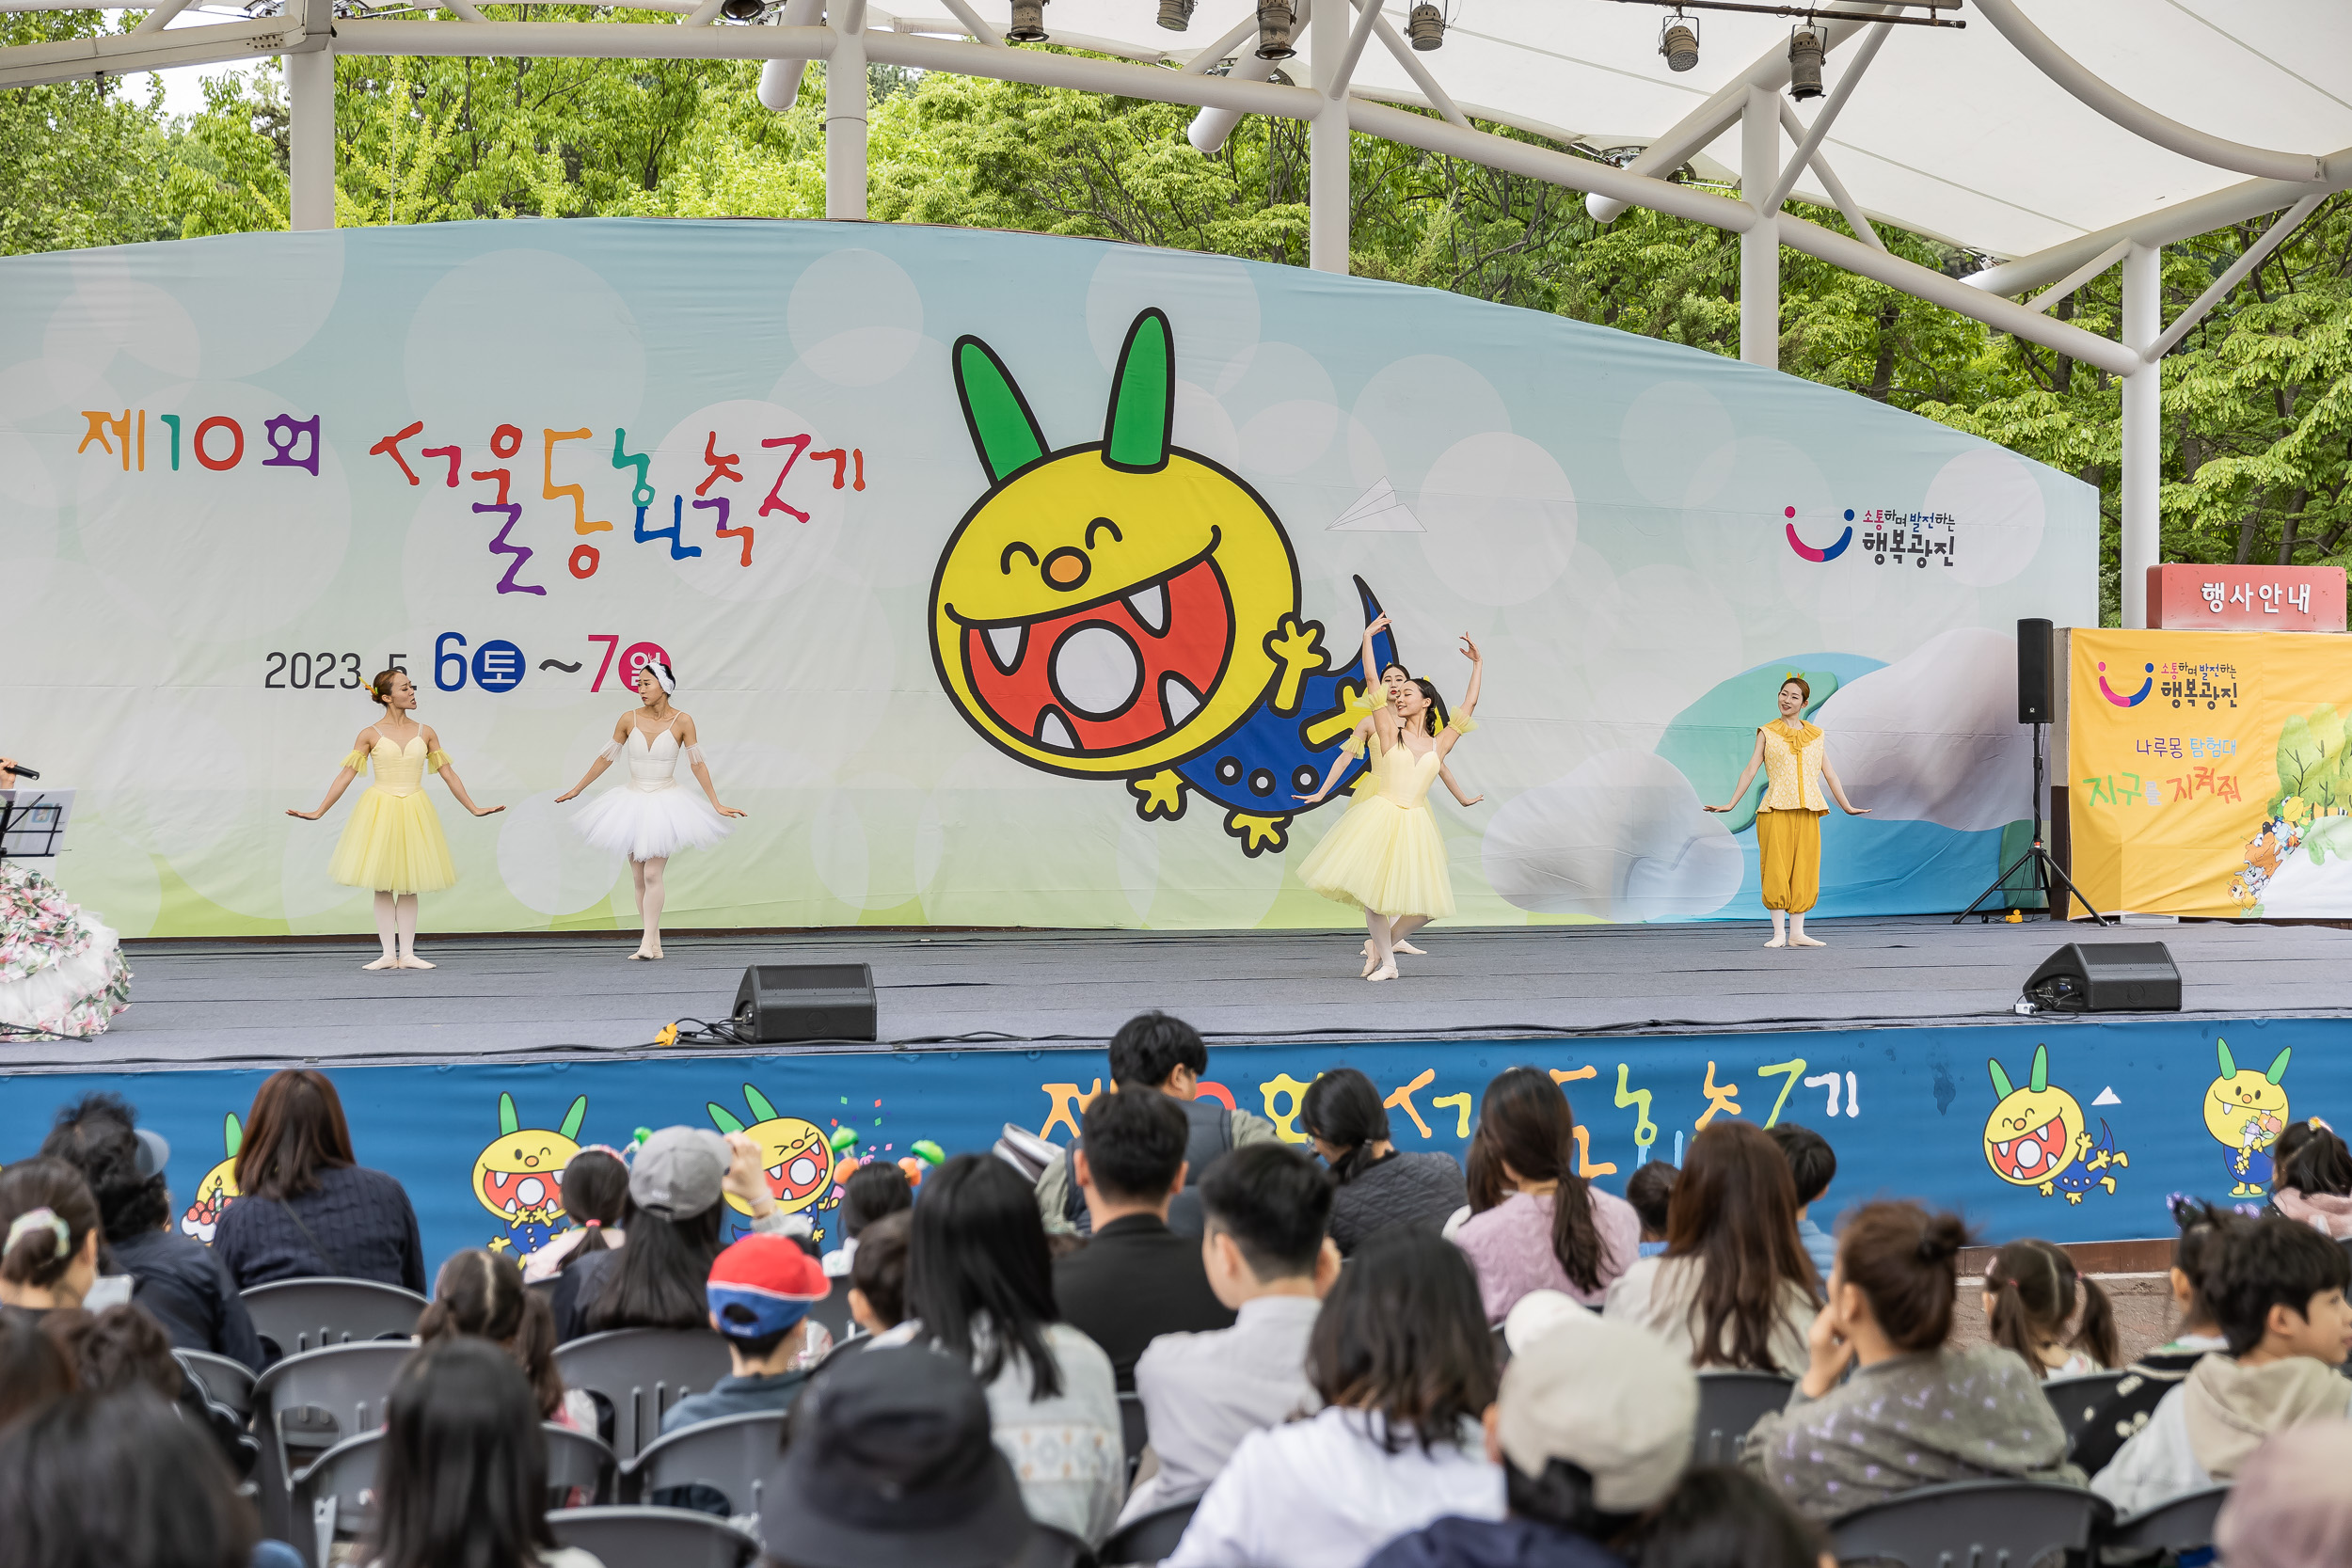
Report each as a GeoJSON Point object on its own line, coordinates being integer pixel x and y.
{"type": "Point", "coordinates": [878, 1275]}
{"type": "Point", "coordinates": [596, 1190]}
{"type": "Point", "coordinates": [760, 1291]}
{"type": "Point", "coordinates": [2203, 1229]}
{"type": "Point", "coordinates": [482, 1295]}
{"type": "Point", "coordinates": [1536, 1223]}
{"type": "Point", "coordinates": [1650, 1189]}
{"type": "Point", "coordinates": [1721, 1517]}
{"type": "Point", "coordinates": [1377, 1186]}
{"type": "Point", "coordinates": [2277, 1293]}
{"type": "Point", "coordinates": [1814, 1164]}
{"type": "Point", "coordinates": [49, 1256]}
{"type": "Point", "coordinates": [123, 1348]}
{"type": "Point", "coordinates": [2314, 1184]}
{"type": "Point", "coordinates": [2030, 1292]}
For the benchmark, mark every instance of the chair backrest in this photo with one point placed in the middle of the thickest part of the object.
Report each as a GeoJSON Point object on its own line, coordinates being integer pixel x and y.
{"type": "Point", "coordinates": [1974, 1524]}
{"type": "Point", "coordinates": [299, 1315]}
{"type": "Point", "coordinates": [1134, 1431]}
{"type": "Point", "coordinates": [579, 1460]}
{"type": "Point", "coordinates": [335, 1495]}
{"type": "Point", "coordinates": [640, 1372]}
{"type": "Point", "coordinates": [1055, 1547]}
{"type": "Point", "coordinates": [350, 1383]}
{"type": "Point", "coordinates": [2178, 1526]}
{"type": "Point", "coordinates": [1729, 1405]}
{"type": "Point", "coordinates": [733, 1454]}
{"type": "Point", "coordinates": [652, 1537]}
{"type": "Point", "coordinates": [227, 1382]}
{"type": "Point", "coordinates": [544, 1289]}
{"type": "Point", "coordinates": [1150, 1538]}
{"type": "Point", "coordinates": [2079, 1399]}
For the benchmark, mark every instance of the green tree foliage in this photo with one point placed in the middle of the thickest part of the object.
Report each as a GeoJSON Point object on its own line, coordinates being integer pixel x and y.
{"type": "Point", "coordinates": [77, 158]}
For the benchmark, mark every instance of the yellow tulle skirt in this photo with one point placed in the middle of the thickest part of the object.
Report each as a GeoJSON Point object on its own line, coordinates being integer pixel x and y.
{"type": "Point", "coordinates": [393, 843]}
{"type": "Point", "coordinates": [1385, 857]}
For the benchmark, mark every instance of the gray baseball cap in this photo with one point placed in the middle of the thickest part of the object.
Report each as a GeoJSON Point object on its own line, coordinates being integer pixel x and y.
{"type": "Point", "coordinates": [154, 1153]}
{"type": "Point", "coordinates": [1613, 1399]}
{"type": "Point", "coordinates": [680, 1172]}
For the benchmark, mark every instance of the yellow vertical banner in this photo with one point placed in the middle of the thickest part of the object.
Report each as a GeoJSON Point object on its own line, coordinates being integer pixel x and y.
{"type": "Point", "coordinates": [2206, 772]}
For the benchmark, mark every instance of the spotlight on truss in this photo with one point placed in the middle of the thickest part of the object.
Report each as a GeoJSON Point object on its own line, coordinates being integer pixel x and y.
{"type": "Point", "coordinates": [1276, 18]}
{"type": "Point", "coordinates": [1426, 27]}
{"type": "Point", "coordinates": [1678, 40]}
{"type": "Point", "coordinates": [1176, 15]}
{"type": "Point", "coordinates": [743, 10]}
{"type": "Point", "coordinates": [1028, 21]}
{"type": "Point", "coordinates": [1805, 63]}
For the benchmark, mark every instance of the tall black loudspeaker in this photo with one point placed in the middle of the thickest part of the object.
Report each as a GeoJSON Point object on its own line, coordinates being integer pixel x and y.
{"type": "Point", "coordinates": [779, 1003]}
{"type": "Point", "coordinates": [2108, 977]}
{"type": "Point", "coordinates": [2037, 698]}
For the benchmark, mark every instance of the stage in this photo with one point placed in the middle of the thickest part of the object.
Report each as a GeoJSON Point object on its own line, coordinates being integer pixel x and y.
{"type": "Point", "coordinates": [1898, 1042]}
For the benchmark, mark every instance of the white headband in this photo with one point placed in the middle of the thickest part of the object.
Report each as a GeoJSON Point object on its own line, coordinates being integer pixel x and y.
{"type": "Point", "coordinates": [661, 673]}
{"type": "Point", "coordinates": [36, 1219]}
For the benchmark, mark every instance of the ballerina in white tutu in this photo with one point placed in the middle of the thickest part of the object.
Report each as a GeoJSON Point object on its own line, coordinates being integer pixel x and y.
{"type": "Point", "coordinates": [650, 818]}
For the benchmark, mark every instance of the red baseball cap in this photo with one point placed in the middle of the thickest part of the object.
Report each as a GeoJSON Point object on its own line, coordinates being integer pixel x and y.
{"type": "Point", "coordinates": [763, 1284]}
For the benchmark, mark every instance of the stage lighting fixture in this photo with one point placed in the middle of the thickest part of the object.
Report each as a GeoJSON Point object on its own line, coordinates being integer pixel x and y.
{"type": "Point", "coordinates": [1175, 15]}
{"type": "Point", "coordinates": [1678, 40]}
{"type": "Point", "coordinates": [1028, 21]}
{"type": "Point", "coordinates": [1425, 26]}
{"type": "Point", "coordinates": [1804, 64]}
{"type": "Point", "coordinates": [1276, 18]}
{"type": "Point", "coordinates": [743, 11]}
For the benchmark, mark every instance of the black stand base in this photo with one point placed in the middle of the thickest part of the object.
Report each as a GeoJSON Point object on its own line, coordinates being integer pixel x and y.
{"type": "Point", "coordinates": [2047, 876]}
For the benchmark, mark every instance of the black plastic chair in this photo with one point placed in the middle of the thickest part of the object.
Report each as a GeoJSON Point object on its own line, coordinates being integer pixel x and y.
{"type": "Point", "coordinates": [652, 1537]}
{"type": "Point", "coordinates": [1134, 1430]}
{"type": "Point", "coordinates": [1052, 1548]}
{"type": "Point", "coordinates": [1974, 1524]}
{"type": "Point", "coordinates": [226, 1381]}
{"type": "Point", "coordinates": [2079, 1399]}
{"type": "Point", "coordinates": [1729, 1405]}
{"type": "Point", "coordinates": [640, 1372]}
{"type": "Point", "coordinates": [298, 1315]}
{"type": "Point", "coordinates": [734, 1456]}
{"type": "Point", "coordinates": [578, 1461]}
{"type": "Point", "coordinates": [2181, 1526]}
{"type": "Point", "coordinates": [306, 1405]}
{"type": "Point", "coordinates": [334, 1496]}
{"type": "Point", "coordinates": [1150, 1538]}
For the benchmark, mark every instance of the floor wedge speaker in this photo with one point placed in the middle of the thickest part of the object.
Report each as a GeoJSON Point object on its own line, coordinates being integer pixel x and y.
{"type": "Point", "coordinates": [782, 1003]}
{"type": "Point", "coordinates": [2107, 977]}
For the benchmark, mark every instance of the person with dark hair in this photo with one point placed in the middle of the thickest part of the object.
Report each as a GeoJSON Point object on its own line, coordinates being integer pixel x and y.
{"type": "Point", "coordinates": [2277, 1293]}
{"type": "Point", "coordinates": [1723, 1517]}
{"type": "Point", "coordinates": [1814, 1164]}
{"type": "Point", "coordinates": [461, 1481]}
{"type": "Point", "coordinates": [2314, 1184]}
{"type": "Point", "coordinates": [1734, 1288]}
{"type": "Point", "coordinates": [1152, 1051]}
{"type": "Point", "coordinates": [878, 1275]}
{"type": "Point", "coordinates": [874, 1191]}
{"type": "Point", "coordinates": [1592, 1429]}
{"type": "Point", "coordinates": [595, 1193]}
{"type": "Point", "coordinates": [1535, 1224]}
{"type": "Point", "coordinates": [760, 1290]}
{"type": "Point", "coordinates": [119, 1478]}
{"type": "Point", "coordinates": [1403, 1361]}
{"type": "Point", "coordinates": [1268, 1259]}
{"type": "Point", "coordinates": [2205, 1229]}
{"type": "Point", "coordinates": [49, 1259]}
{"type": "Point", "coordinates": [180, 1280]}
{"type": "Point", "coordinates": [34, 1368]}
{"type": "Point", "coordinates": [980, 1287]}
{"type": "Point", "coordinates": [1651, 1189]}
{"type": "Point", "coordinates": [306, 1206]}
{"type": "Point", "coordinates": [1794, 756]}
{"type": "Point", "coordinates": [122, 1347]}
{"type": "Point", "coordinates": [482, 1295]}
{"type": "Point", "coordinates": [2031, 1290]}
{"type": "Point", "coordinates": [1377, 1187]}
{"type": "Point", "coordinates": [1915, 1412]}
{"type": "Point", "coordinates": [1137, 1279]}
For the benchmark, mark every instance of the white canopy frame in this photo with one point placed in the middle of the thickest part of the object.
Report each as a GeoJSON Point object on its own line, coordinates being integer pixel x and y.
{"type": "Point", "coordinates": [1776, 147]}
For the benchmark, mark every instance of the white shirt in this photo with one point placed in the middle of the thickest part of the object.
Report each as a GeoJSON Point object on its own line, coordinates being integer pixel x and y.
{"type": "Point", "coordinates": [1323, 1494]}
{"type": "Point", "coordinates": [1203, 1393]}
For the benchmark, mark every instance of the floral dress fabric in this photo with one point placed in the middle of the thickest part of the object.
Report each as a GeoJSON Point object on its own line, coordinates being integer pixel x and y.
{"type": "Point", "coordinates": [61, 972]}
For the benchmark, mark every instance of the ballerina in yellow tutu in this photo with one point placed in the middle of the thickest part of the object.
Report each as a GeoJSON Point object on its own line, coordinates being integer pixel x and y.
{"type": "Point", "coordinates": [394, 841]}
{"type": "Point", "coordinates": [1385, 854]}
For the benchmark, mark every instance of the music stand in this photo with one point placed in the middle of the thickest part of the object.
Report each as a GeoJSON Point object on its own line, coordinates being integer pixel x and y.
{"type": "Point", "coordinates": [32, 821]}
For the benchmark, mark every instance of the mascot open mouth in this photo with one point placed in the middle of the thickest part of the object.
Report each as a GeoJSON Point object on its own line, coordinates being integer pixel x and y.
{"type": "Point", "coordinates": [521, 1192]}
{"type": "Point", "coordinates": [2035, 1156]}
{"type": "Point", "coordinates": [1111, 675]}
{"type": "Point", "coordinates": [797, 1174]}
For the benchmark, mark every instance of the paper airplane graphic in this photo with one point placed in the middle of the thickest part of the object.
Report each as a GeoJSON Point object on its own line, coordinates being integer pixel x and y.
{"type": "Point", "coordinates": [2108, 1097]}
{"type": "Point", "coordinates": [1378, 511]}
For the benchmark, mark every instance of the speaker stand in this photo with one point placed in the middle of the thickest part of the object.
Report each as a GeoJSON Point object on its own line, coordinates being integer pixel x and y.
{"type": "Point", "coordinates": [2048, 876]}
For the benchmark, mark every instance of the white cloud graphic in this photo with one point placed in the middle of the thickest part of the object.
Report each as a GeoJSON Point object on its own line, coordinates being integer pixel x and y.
{"type": "Point", "coordinates": [1935, 737]}
{"type": "Point", "coordinates": [1623, 837]}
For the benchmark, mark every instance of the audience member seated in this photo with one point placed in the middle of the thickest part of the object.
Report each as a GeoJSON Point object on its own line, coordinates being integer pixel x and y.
{"type": "Point", "coordinates": [462, 1477]}
{"type": "Point", "coordinates": [2031, 1290]}
{"type": "Point", "coordinates": [1814, 1164]}
{"type": "Point", "coordinates": [2290, 1508]}
{"type": "Point", "coordinates": [1152, 1051]}
{"type": "Point", "coordinates": [1137, 1279]}
{"type": "Point", "coordinates": [1592, 1429]}
{"type": "Point", "coordinates": [1402, 1358]}
{"type": "Point", "coordinates": [1913, 1413]}
{"type": "Point", "coordinates": [890, 1462]}
{"type": "Point", "coordinates": [878, 1276]}
{"type": "Point", "coordinates": [1377, 1186]}
{"type": "Point", "coordinates": [596, 1191]}
{"type": "Point", "coordinates": [123, 1348]}
{"type": "Point", "coordinates": [177, 1279]}
{"type": "Point", "coordinates": [2203, 1229]}
{"type": "Point", "coordinates": [1651, 1189]}
{"type": "Point", "coordinates": [305, 1206]}
{"type": "Point", "coordinates": [1268, 1259]}
{"type": "Point", "coordinates": [49, 1259]}
{"type": "Point", "coordinates": [874, 1191]}
{"type": "Point", "coordinates": [34, 1368]}
{"type": "Point", "coordinates": [1721, 1517]}
{"type": "Point", "coordinates": [120, 1480]}
{"type": "Point", "coordinates": [2277, 1290]}
{"type": "Point", "coordinates": [760, 1291]}
{"type": "Point", "coordinates": [980, 1287]}
{"type": "Point", "coordinates": [483, 1296]}
{"type": "Point", "coordinates": [1734, 1288]}
{"type": "Point", "coordinates": [1537, 1225]}
{"type": "Point", "coordinates": [2314, 1184]}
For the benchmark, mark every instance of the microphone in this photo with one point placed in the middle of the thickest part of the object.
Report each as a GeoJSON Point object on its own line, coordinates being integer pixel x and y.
{"type": "Point", "coordinates": [23, 773]}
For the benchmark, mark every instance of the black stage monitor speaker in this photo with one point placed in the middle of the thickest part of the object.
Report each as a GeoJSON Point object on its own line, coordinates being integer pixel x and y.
{"type": "Point", "coordinates": [2037, 698]}
{"type": "Point", "coordinates": [806, 1002]}
{"type": "Point", "coordinates": [2108, 977]}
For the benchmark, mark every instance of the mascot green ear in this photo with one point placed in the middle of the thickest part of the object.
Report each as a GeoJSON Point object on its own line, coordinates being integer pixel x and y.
{"type": "Point", "coordinates": [761, 1108]}
{"type": "Point", "coordinates": [1004, 432]}
{"type": "Point", "coordinates": [2229, 1063]}
{"type": "Point", "coordinates": [508, 1121]}
{"type": "Point", "coordinates": [1143, 398]}
{"type": "Point", "coordinates": [722, 1118]}
{"type": "Point", "coordinates": [572, 1117]}
{"type": "Point", "coordinates": [2041, 1067]}
{"type": "Point", "coordinates": [2001, 1086]}
{"type": "Point", "coordinates": [231, 1134]}
{"type": "Point", "coordinates": [2278, 1067]}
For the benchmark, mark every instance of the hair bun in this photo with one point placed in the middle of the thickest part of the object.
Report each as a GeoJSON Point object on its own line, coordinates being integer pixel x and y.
{"type": "Point", "coordinates": [1942, 1238]}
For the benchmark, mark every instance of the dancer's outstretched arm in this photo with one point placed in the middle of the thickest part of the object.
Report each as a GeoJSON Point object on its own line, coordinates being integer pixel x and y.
{"type": "Point", "coordinates": [1348, 752]}
{"type": "Point", "coordinates": [1372, 664]}
{"type": "Point", "coordinates": [1837, 791]}
{"type": "Point", "coordinates": [1461, 719]}
{"type": "Point", "coordinates": [1756, 760]}
{"type": "Point", "coordinates": [603, 760]}
{"type": "Point", "coordinates": [342, 780]}
{"type": "Point", "coordinates": [1447, 774]}
{"type": "Point", "coordinates": [702, 771]}
{"type": "Point", "coordinates": [449, 776]}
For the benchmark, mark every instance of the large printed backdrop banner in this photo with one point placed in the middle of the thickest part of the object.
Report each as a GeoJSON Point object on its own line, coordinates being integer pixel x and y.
{"type": "Point", "coordinates": [1010, 580]}
{"type": "Point", "coordinates": [2208, 772]}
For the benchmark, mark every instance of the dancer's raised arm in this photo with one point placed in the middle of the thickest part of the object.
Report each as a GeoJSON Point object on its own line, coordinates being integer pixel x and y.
{"type": "Point", "coordinates": [437, 760]}
{"type": "Point", "coordinates": [1461, 724]}
{"type": "Point", "coordinates": [1756, 760]}
{"type": "Point", "coordinates": [602, 761]}
{"type": "Point", "coordinates": [693, 755]}
{"type": "Point", "coordinates": [1372, 662]}
{"type": "Point", "coordinates": [342, 780]}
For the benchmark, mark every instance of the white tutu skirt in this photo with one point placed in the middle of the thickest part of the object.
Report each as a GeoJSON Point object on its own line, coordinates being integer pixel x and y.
{"type": "Point", "coordinates": [650, 824]}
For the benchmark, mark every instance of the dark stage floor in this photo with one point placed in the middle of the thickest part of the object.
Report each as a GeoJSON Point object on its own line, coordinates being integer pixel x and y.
{"type": "Point", "coordinates": [252, 1001]}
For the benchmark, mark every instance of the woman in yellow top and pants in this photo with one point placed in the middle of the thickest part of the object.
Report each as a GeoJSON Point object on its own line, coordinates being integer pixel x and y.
{"type": "Point", "coordinates": [1795, 760]}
